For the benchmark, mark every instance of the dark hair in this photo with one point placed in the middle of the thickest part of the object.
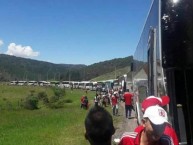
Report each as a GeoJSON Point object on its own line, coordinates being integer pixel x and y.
{"type": "Point", "coordinates": [99, 125]}
{"type": "Point", "coordinates": [158, 129]}
{"type": "Point", "coordinates": [127, 90]}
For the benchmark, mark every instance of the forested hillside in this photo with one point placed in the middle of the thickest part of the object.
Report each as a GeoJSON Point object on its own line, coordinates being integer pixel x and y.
{"type": "Point", "coordinates": [16, 68]}
{"type": "Point", "coordinates": [101, 68]}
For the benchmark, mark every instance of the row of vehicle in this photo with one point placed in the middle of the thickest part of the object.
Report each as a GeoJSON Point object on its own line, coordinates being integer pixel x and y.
{"type": "Point", "coordinates": [88, 85]}
{"type": "Point", "coordinates": [33, 83]}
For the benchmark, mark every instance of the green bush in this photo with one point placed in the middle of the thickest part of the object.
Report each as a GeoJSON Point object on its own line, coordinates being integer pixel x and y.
{"type": "Point", "coordinates": [56, 105]}
{"type": "Point", "coordinates": [43, 96]}
{"type": "Point", "coordinates": [59, 92]}
{"type": "Point", "coordinates": [31, 103]}
{"type": "Point", "coordinates": [53, 99]}
{"type": "Point", "coordinates": [9, 105]}
{"type": "Point", "coordinates": [68, 101]}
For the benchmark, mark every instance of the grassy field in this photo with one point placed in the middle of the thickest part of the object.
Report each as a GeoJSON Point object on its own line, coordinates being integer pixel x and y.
{"type": "Point", "coordinates": [44, 126]}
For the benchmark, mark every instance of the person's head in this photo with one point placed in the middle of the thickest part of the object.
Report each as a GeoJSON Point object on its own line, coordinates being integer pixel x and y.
{"type": "Point", "coordinates": [115, 93]}
{"type": "Point", "coordinates": [99, 126]}
{"type": "Point", "coordinates": [154, 122]}
{"type": "Point", "coordinates": [127, 90]}
{"type": "Point", "coordinates": [152, 101]}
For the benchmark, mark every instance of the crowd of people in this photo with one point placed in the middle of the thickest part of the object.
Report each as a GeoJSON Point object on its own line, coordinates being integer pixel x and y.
{"type": "Point", "coordinates": [111, 98]}
{"type": "Point", "coordinates": [155, 128]}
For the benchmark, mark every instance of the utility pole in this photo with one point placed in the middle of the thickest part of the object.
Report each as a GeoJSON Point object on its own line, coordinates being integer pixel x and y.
{"type": "Point", "coordinates": [115, 72]}
{"type": "Point", "coordinates": [69, 75]}
{"type": "Point", "coordinates": [59, 76]}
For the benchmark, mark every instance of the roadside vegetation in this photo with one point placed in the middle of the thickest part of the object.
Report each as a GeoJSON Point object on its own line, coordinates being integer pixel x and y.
{"type": "Point", "coordinates": [55, 117]}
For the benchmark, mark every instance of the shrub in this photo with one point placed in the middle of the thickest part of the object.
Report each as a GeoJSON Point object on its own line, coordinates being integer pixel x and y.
{"type": "Point", "coordinates": [32, 92]}
{"type": "Point", "coordinates": [43, 96]}
{"type": "Point", "coordinates": [68, 101]}
{"type": "Point", "coordinates": [56, 105]}
{"type": "Point", "coordinates": [57, 101]}
{"type": "Point", "coordinates": [53, 99]}
{"type": "Point", "coordinates": [59, 92]}
{"type": "Point", "coordinates": [31, 103]}
{"type": "Point", "coordinates": [9, 106]}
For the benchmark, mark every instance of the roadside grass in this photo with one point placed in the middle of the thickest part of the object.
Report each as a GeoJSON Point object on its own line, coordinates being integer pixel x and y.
{"type": "Point", "coordinates": [44, 126]}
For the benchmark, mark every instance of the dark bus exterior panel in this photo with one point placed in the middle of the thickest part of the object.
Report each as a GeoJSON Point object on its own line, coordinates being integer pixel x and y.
{"type": "Point", "coordinates": [177, 33]}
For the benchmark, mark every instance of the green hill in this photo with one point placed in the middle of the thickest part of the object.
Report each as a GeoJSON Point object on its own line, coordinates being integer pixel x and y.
{"type": "Point", "coordinates": [113, 75]}
{"type": "Point", "coordinates": [17, 68]}
{"type": "Point", "coordinates": [107, 67]}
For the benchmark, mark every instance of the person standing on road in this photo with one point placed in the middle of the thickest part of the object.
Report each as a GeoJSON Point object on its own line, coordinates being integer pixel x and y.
{"type": "Point", "coordinates": [128, 98]}
{"type": "Point", "coordinates": [96, 99]}
{"type": "Point", "coordinates": [114, 100]}
{"type": "Point", "coordinates": [99, 126]}
{"type": "Point", "coordinates": [154, 123]}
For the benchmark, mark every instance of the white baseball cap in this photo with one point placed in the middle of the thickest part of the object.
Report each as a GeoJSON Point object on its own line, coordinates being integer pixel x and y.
{"type": "Point", "coordinates": [156, 114]}
{"type": "Point", "coordinates": [115, 92]}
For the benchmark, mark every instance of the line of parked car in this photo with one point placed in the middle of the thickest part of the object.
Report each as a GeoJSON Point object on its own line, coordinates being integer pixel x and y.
{"type": "Point", "coordinates": [87, 85]}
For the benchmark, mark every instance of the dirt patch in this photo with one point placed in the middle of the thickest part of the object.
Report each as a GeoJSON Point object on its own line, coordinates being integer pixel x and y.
{"type": "Point", "coordinates": [123, 124]}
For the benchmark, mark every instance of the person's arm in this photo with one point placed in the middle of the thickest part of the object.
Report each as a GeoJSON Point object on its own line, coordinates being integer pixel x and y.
{"type": "Point", "coordinates": [169, 131]}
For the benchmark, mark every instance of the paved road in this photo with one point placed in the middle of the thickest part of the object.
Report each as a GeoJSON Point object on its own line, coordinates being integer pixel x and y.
{"type": "Point", "coordinates": [124, 124]}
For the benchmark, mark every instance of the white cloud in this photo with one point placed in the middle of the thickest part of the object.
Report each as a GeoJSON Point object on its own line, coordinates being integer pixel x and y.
{"type": "Point", "coordinates": [1, 42]}
{"type": "Point", "coordinates": [21, 51]}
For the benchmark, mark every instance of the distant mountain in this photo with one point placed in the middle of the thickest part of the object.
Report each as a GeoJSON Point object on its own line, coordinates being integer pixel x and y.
{"type": "Point", "coordinates": [109, 66]}
{"type": "Point", "coordinates": [17, 68]}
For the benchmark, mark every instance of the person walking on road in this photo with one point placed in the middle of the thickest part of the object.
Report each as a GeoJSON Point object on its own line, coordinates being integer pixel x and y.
{"type": "Point", "coordinates": [128, 98]}
{"type": "Point", "coordinates": [114, 100]}
{"type": "Point", "coordinates": [96, 99]}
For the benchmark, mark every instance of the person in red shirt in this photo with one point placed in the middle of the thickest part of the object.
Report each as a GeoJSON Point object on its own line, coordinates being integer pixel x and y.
{"type": "Point", "coordinates": [82, 101]}
{"type": "Point", "coordinates": [154, 123]}
{"type": "Point", "coordinates": [128, 103]}
{"type": "Point", "coordinates": [163, 101]}
{"type": "Point", "coordinates": [114, 100]}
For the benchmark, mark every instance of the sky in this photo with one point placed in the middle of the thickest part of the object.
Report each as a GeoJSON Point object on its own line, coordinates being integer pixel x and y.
{"type": "Point", "coordinates": [71, 31]}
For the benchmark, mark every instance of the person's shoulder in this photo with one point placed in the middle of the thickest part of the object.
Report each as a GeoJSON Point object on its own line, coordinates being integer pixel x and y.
{"type": "Point", "coordinates": [128, 138]}
{"type": "Point", "coordinates": [139, 128]}
{"type": "Point", "coordinates": [130, 134]}
{"type": "Point", "coordinates": [128, 93]}
{"type": "Point", "coordinates": [169, 132]}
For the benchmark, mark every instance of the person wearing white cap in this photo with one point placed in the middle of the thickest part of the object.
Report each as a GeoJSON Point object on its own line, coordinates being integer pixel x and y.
{"type": "Point", "coordinates": [162, 101]}
{"type": "Point", "coordinates": [154, 122]}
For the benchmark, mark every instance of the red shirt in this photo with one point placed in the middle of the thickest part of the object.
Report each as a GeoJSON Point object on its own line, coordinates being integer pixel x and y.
{"type": "Point", "coordinates": [128, 98]}
{"type": "Point", "coordinates": [133, 138]}
{"type": "Point", "coordinates": [82, 99]}
{"type": "Point", "coordinates": [114, 100]}
{"type": "Point", "coordinates": [172, 134]}
{"type": "Point", "coordinates": [169, 132]}
{"type": "Point", "coordinates": [130, 138]}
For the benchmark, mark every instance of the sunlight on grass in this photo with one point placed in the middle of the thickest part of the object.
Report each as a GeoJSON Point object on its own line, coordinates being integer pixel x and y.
{"type": "Point", "coordinates": [43, 126]}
